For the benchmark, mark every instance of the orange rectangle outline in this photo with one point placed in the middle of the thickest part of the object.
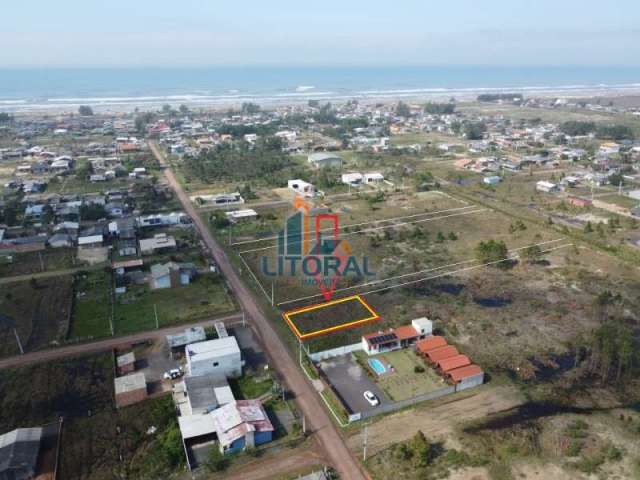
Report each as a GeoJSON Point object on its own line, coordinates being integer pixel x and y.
{"type": "Point", "coordinates": [287, 316]}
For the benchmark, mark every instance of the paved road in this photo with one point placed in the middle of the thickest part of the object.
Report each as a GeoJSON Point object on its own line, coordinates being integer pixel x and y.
{"type": "Point", "coordinates": [279, 356]}
{"type": "Point", "coordinates": [107, 344]}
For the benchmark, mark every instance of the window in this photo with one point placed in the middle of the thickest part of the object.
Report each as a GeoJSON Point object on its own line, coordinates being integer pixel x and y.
{"type": "Point", "coordinates": [215, 364]}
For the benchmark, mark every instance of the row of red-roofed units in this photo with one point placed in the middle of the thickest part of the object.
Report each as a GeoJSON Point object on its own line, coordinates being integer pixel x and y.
{"type": "Point", "coordinates": [453, 365]}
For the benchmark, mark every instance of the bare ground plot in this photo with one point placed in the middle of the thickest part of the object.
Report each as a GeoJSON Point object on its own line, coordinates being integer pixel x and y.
{"type": "Point", "coordinates": [439, 418]}
{"type": "Point", "coordinates": [36, 262]}
{"type": "Point", "coordinates": [40, 310]}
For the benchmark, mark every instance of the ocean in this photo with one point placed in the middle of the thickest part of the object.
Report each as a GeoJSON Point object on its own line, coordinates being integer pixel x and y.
{"type": "Point", "coordinates": [122, 89]}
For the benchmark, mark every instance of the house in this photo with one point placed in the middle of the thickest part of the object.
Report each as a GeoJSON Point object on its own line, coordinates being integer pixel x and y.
{"type": "Point", "coordinates": [19, 451]}
{"type": "Point", "coordinates": [177, 342]}
{"type": "Point", "coordinates": [373, 177]}
{"type": "Point", "coordinates": [245, 215]}
{"type": "Point", "coordinates": [159, 243]}
{"type": "Point", "coordinates": [547, 187]}
{"type": "Point", "coordinates": [451, 363]}
{"type": "Point", "coordinates": [397, 338]}
{"type": "Point", "coordinates": [91, 241]}
{"type": "Point", "coordinates": [579, 201]}
{"type": "Point", "coordinates": [130, 389]}
{"type": "Point", "coordinates": [205, 393]}
{"type": "Point", "coordinates": [301, 187]}
{"type": "Point", "coordinates": [61, 240]}
{"type": "Point", "coordinates": [240, 425]}
{"type": "Point", "coordinates": [492, 180]}
{"type": "Point", "coordinates": [126, 363]}
{"type": "Point", "coordinates": [127, 247]}
{"type": "Point", "coordinates": [353, 179]}
{"type": "Point", "coordinates": [466, 377]}
{"type": "Point", "coordinates": [163, 220]}
{"type": "Point", "coordinates": [220, 356]}
{"type": "Point", "coordinates": [440, 353]}
{"type": "Point", "coordinates": [171, 275]}
{"type": "Point", "coordinates": [324, 160]}
{"type": "Point", "coordinates": [430, 343]}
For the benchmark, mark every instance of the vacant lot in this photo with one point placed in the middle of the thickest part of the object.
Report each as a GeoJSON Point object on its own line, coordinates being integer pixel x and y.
{"type": "Point", "coordinates": [92, 306]}
{"type": "Point", "coordinates": [35, 262]}
{"type": "Point", "coordinates": [40, 310]}
{"type": "Point", "coordinates": [205, 297]}
{"type": "Point", "coordinates": [331, 315]}
{"type": "Point", "coordinates": [98, 441]}
{"type": "Point", "coordinates": [403, 381]}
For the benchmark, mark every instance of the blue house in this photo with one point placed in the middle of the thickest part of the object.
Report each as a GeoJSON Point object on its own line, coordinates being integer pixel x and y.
{"type": "Point", "coordinates": [171, 275]}
{"type": "Point", "coordinates": [493, 180]}
{"type": "Point", "coordinates": [240, 425]}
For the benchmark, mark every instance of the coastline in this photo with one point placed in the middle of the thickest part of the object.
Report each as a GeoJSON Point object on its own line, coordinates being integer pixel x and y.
{"type": "Point", "coordinates": [300, 96]}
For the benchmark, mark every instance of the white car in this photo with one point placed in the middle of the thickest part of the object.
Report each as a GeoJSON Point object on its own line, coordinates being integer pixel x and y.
{"type": "Point", "coordinates": [371, 398]}
{"type": "Point", "coordinates": [173, 374]}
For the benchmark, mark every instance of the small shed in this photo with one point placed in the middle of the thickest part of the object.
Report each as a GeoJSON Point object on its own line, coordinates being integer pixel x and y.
{"type": "Point", "coordinates": [126, 363]}
{"type": "Point", "coordinates": [178, 341]}
{"type": "Point", "coordinates": [130, 389]}
{"type": "Point", "coordinates": [466, 377]}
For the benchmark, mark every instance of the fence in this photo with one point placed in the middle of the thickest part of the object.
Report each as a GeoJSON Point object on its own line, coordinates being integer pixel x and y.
{"type": "Point", "coordinates": [392, 407]}
{"type": "Point", "coordinates": [335, 352]}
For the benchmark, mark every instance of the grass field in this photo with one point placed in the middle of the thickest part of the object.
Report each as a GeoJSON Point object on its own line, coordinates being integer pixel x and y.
{"type": "Point", "coordinates": [206, 297]}
{"type": "Point", "coordinates": [92, 307]}
{"type": "Point", "coordinates": [404, 382]}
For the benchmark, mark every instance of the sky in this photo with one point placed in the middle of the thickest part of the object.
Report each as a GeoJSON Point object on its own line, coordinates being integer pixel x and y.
{"type": "Point", "coordinates": [82, 33]}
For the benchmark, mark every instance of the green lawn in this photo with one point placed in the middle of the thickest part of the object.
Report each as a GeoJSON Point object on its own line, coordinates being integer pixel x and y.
{"type": "Point", "coordinates": [622, 201]}
{"type": "Point", "coordinates": [204, 298]}
{"type": "Point", "coordinates": [92, 307]}
{"type": "Point", "coordinates": [404, 382]}
{"type": "Point", "coordinates": [248, 387]}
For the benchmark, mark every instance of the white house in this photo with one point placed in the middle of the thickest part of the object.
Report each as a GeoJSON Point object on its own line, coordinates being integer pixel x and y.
{"type": "Point", "coordinates": [352, 179]}
{"type": "Point", "coordinates": [220, 356]}
{"type": "Point", "coordinates": [547, 187]}
{"type": "Point", "coordinates": [302, 188]}
{"type": "Point", "coordinates": [322, 160]}
{"type": "Point", "coordinates": [373, 177]}
{"type": "Point", "coordinates": [246, 214]}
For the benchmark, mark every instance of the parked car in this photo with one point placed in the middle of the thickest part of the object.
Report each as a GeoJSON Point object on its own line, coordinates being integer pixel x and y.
{"type": "Point", "coordinates": [371, 398]}
{"type": "Point", "coordinates": [173, 374]}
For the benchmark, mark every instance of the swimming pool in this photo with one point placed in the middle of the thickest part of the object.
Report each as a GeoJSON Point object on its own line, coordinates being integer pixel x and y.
{"type": "Point", "coordinates": [377, 366]}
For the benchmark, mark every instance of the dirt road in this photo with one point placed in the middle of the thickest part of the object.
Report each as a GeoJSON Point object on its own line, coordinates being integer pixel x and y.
{"type": "Point", "coordinates": [277, 352]}
{"type": "Point", "coordinates": [107, 344]}
{"type": "Point", "coordinates": [280, 465]}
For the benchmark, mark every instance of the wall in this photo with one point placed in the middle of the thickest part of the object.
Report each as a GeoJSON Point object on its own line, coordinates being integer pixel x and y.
{"type": "Point", "coordinates": [392, 407]}
{"type": "Point", "coordinates": [229, 365]}
{"type": "Point", "coordinates": [335, 352]}
{"type": "Point", "coordinates": [129, 398]}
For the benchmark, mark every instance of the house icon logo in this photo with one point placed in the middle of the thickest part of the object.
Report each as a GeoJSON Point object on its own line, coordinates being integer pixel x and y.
{"type": "Point", "coordinates": [310, 247]}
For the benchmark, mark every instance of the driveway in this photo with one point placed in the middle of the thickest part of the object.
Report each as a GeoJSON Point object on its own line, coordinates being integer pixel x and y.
{"type": "Point", "coordinates": [351, 381]}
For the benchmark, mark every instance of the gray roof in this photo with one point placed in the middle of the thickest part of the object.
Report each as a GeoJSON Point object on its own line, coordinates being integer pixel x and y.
{"type": "Point", "coordinates": [130, 383]}
{"type": "Point", "coordinates": [322, 156]}
{"type": "Point", "coordinates": [201, 392]}
{"type": "Point", "coordinates": [19, 453]}
{"type": "Point", "coordinates": [190, 335]}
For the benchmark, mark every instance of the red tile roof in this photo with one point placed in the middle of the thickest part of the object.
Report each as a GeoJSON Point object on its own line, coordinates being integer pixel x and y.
{"type": "Point", "coordinates": [452, 363]}
{"type": "Point", "coordinates": [430, 343]}
{"type": "Point", "coordinates": [406, 332]}
{"type": "Point", "coordinates": [459, 374]}
{"type": "Point", "coordinates": [441, 353]}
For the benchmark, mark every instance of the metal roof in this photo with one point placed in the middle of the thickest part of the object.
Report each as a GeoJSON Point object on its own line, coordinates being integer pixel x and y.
{"type": "Point", "coordinates": [19, 452]}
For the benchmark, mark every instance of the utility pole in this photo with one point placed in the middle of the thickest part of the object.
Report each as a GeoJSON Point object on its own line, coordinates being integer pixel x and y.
{"type": "Point", "coordinates": [364, 451]}
{"type": "Point", "coordinates": [155, 312]}
{"type": "Point", "coordinates": [15, 332]}
{"type": "Point", "coordinates": [304, 425]}
{"type": "Point", "coordinates": [244, 324]}
{"type": "Point", "coordinates": [272, 294]}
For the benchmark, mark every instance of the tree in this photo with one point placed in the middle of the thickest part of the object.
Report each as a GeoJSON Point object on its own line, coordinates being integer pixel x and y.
{"type": "Point", "coordinates": [171, 445]}
{"type": "Point", "coordinates": [402, 110]}
{"type": "Point", "coordinates": [184, 109]}
{"type": "Point", "coordinates": [4, 117]}
{"type": "Point", "coordinates": [85, 110]}
{"type": "Point", "coordinates": [421, 450]}
{"type": "Point", "coordinates": [588, 228]}
{"type": "Point", "coordinates": [474, 130]}
{"type": "Point", "coordinates": [92, 212]}
{"type": "Point", "coordinates": [440, 108]}
{"type": "Point", "coordinates": [492, 251]}
{"type": "Point", "coordinates": [532, 254]}
{"type": "Point", "coordinates": [249, 108]}
{"type": "Point", "coordinates": [216, 461]}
